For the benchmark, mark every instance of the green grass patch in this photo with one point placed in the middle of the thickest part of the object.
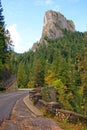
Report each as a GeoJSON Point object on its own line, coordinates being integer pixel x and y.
{"type": "Point", "coordinates": [64, 124]}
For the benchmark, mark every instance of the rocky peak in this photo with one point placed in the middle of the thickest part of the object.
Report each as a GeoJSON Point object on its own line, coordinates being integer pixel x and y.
{"type": "Point", "coordinates": [54, 22]}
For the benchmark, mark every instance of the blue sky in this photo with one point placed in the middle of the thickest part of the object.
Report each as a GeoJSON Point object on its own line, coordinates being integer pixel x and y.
{"type": "Point", "coordinates": [24, 18]}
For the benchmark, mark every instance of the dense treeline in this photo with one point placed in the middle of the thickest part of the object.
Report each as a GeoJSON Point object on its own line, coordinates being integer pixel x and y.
{"type": "Point", "coordinates": [61, 63]}
{"type": "Point", "coordinates": [5, 50]}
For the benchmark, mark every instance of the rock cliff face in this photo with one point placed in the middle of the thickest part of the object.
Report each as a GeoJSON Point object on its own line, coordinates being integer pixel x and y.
{"type": "Point", "coordinates": [54, 22]}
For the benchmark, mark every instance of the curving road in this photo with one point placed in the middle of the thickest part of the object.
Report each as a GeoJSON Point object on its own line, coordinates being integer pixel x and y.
{"type": "Point", "coordinates": [7, 101]}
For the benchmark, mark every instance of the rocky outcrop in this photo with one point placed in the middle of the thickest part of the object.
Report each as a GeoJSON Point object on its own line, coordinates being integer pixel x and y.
{"type": "Point", "coordinates": [34, 47]}
{"type": "Point", "coordinates": [54, 23]}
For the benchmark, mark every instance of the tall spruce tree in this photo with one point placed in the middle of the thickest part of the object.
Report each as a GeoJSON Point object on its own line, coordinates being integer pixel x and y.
{"type": "Point", "coordinates": [21, 76]}
{"type": "Point", "coordinates": [2, 37]}
{"type": "Point", "coordinates": [2, 42]}
{"type": "Point", "coordinates": [5, 47]}
{"type": "Point", "coordinates": [38, 72]}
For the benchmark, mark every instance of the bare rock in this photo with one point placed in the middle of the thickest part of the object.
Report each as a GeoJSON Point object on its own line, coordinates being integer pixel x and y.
{"type": "Point", "coordinates": [54, 22]}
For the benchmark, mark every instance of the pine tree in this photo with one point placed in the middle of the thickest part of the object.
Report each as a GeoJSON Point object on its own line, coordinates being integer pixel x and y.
{"type": "Point", "coordinates": [83, 66]}
{"type": "Point", "coordinates": [2, 42]}
{"type": "Point", "coordinates": [38, 73]}
{"type": "Point", "coordinates": [3, 46]}
{"type": "Point", "coordinates": [21, 76]}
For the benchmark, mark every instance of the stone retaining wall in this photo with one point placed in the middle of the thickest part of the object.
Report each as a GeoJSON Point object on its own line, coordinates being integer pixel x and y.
{"type": "Point", "coordinates": [70, 116]}
{"type": "Point", "coordinates": [55, 109]}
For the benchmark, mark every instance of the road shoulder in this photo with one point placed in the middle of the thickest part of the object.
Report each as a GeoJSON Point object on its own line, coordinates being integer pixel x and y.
{"type": "Point", "coordinates": [31, 107]}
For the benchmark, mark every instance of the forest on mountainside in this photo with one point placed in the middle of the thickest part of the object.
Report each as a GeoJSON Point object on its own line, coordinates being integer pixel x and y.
{"type": "Point", "coordinates": [61, 63]}
{"type": "Point", "coordinates": [5, 50]}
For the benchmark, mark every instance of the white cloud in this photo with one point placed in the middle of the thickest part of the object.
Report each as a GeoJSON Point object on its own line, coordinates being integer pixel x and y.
{"type": "Point", "coordinates": [20, 48]}
{"type": "Point", "coordinates": [14, 33]}
{"type": "Point", "coordinates": [16, 38]}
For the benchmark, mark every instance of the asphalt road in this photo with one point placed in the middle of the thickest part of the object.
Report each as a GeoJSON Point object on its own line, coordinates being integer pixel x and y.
{"type": "Point", "coordinates": [7, 101]}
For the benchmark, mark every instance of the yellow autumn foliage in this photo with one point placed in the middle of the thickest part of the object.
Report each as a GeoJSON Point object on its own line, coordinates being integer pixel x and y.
{"type": "Point", "coordinates": [50, 77]}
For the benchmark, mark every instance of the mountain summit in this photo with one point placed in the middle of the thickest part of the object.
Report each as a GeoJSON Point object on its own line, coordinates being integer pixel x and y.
{"type": "Point", "coordinates": [54, 23]}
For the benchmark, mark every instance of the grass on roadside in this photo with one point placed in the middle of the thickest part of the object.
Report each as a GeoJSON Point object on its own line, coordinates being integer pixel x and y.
{"type": "Point", "coordinates": [64, 124]}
